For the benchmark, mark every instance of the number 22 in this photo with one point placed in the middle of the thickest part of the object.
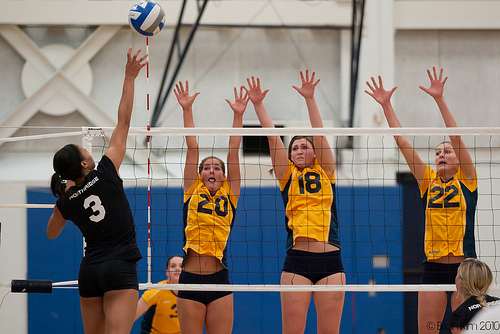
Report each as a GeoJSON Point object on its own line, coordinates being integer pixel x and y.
{"type": "Point", "coordinates": [447, 199]}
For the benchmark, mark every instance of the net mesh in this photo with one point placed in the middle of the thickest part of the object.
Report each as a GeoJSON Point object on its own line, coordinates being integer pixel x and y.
{"type": "Point", "coordinates": [379, 208]}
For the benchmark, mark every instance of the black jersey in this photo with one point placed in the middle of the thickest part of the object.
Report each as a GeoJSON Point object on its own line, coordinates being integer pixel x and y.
{"type": "Point", "coordinates": [464, 313]}
{"type": "Point", "coordinates": [100, 209]}
{"type": "Point", "coordinates": [147, 320]}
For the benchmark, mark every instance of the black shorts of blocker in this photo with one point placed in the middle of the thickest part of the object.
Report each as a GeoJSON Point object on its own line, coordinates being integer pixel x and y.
{"type": "Point", "coordinates": [97, 278]}
{"type": "Point", "coordinates": [204, 297]}
{"type": "Point", "coordinates": [313, 266]}
{"type": "Point", "coordinates": [439, 273]}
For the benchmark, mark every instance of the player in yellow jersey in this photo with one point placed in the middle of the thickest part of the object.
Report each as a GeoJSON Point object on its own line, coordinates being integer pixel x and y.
{"type": "Point", "coordinates": [450, 197]}
{"type": "Point", "coordinates": [307, 182]}
{"type": "Point", "coordinates": [210, 200]}
{"type": "Point", "coordinates": [161, 305]}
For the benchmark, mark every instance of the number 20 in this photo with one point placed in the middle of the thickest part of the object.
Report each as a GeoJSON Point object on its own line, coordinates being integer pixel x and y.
{"type": "Point", "coordinates": [203, 209]}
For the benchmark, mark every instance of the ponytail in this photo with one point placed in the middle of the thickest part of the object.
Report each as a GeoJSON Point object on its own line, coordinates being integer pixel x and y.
{"type": "Point", "coordinates": [482, 301]}
{"type": "Point", "coordinates": [67, 166]}
{"type": "Point", "coordinates": [58, 186]}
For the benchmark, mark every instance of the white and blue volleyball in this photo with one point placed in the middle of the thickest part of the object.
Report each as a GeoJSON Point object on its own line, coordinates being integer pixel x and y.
{"type": "Point", "coordinates": [146, 18]}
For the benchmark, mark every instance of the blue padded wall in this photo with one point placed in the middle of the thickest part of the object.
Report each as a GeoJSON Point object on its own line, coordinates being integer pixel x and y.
{"type": "Point", "coordinates": [369, 225]}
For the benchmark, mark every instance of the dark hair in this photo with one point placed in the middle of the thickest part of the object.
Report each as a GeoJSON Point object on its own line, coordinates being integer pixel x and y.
{"type": "Point", "coordinates": [170, 258]}
{"type": "Point", "coordinates": [294, 138]}
{"type": "Point", "coordinates": [58, 185]}
{"type": "Point", "coordinates": [67, 166]}
{"type": "Point", "coordinates": [202, 163]}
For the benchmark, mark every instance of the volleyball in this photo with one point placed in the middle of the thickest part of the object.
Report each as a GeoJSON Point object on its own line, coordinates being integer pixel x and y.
{"type": "Point", "coordinates": [146, 18]}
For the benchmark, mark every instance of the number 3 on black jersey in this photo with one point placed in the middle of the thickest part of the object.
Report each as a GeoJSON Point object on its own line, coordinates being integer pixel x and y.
{"type": "Point", "coordinates": [218, 211]}
{"type": "Point", "coordinates": [94, 202]}
{"type": "Point", "coordinates": [312, 182]}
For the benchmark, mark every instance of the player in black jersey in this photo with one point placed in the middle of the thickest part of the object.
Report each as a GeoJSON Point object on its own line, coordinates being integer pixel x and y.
{"type": "Point", "coordinates": [94, 200]}
{"type": "Point", "coordinates": [473, 280]}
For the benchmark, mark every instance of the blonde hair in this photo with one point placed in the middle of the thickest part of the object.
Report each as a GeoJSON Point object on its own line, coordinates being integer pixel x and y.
{"type": "Point", "coordinates": [444, 142]}
{"type": "Point", "coordinates": [476, 279]}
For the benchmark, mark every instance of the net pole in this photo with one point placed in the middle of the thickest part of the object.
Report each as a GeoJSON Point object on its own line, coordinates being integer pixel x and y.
{"type": "Point", "coordinates": [148, 128]}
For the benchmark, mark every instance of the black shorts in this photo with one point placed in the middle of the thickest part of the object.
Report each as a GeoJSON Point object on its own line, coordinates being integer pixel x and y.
{"type": "Point", "coordinates": [313, 266]}
{"type": "Point", "coordinates": [204, 297]}
{"type": "Point", "coordinates": [97, 278]}
{"type": "Point", "coordinates": [439, 273]}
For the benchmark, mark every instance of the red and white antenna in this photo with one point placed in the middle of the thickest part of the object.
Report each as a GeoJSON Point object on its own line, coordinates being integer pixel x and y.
{"type": "Point", "coordinates": [149, 163]}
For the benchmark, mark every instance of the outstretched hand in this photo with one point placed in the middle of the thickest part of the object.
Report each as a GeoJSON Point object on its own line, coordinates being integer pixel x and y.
{"type": "Point", "coordinates": [240, 102]}
{"type": "Point", "coordinates": [378, 92]}
{"type": "Point", "coordinates": [437, 83]}
{"type": "Point", "coordinates": [255, 94]}
{"type": "Point", "coordinates": [182, 95]}
{"type": "Point", "coordinates": [308, 85]}
{"type": "Point", "coordinates": [134, 65]}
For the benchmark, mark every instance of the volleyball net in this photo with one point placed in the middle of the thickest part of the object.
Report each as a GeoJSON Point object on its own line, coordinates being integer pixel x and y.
{"type": "Point", "coordinates": [380, 213]}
